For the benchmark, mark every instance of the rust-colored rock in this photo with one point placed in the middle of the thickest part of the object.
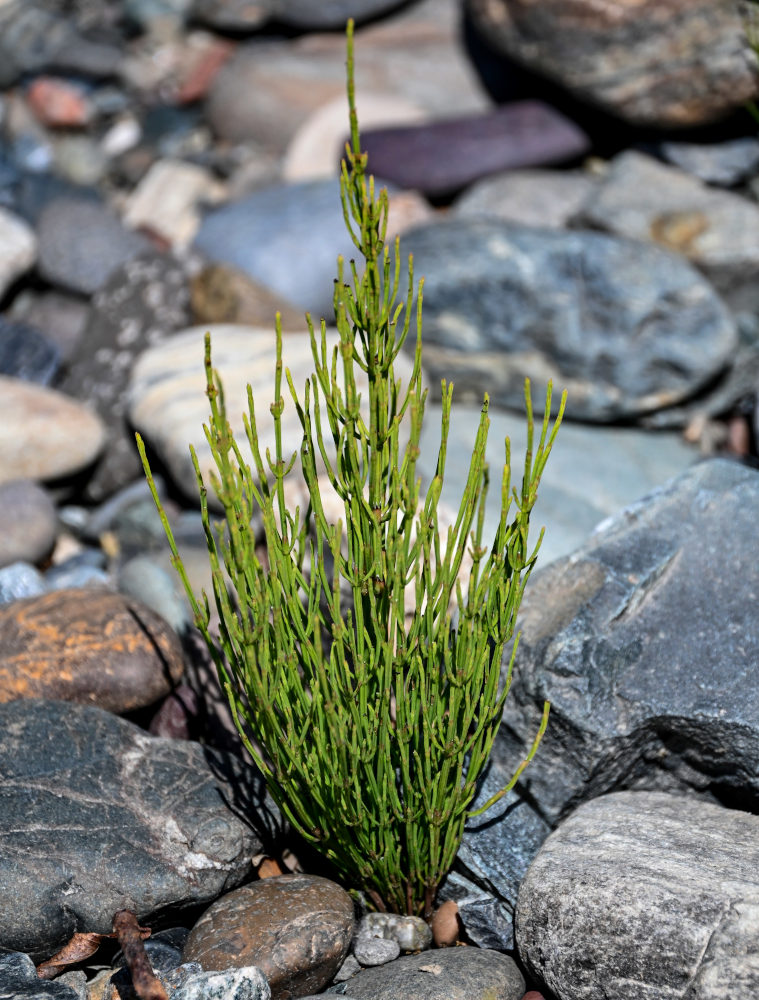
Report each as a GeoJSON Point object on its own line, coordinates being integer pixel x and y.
{"type": "Point", "coordinates": [89, 646]}
{"type": "Point", "coordinates": [663, 63]}
{"type": "Point", "coordinates": [295, 928]}
{"type": "Point", "coordinates": [445, 924]}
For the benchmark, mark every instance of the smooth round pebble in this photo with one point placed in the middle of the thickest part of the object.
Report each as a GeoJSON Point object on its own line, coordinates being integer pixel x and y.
{"type": "Point", "coordinates": [20, 580]}
{"type": "Point", "coordinates": [411, 933]}
{"type": "Point", "coordinates": [376, 951]}
{"type": "Point", "coordinates": [30, 524]}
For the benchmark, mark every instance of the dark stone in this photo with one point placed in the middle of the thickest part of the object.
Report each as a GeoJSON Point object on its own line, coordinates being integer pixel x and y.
{"type": "Point", "coordinates": [287, 237]}
{"type": "Point", "coordinates": [625, 328]}
{"type": "Point", "coordinates": [97, 816]}
{"type": "Point", "coordinates": [446, 974]}
{"type": "Point", "coordinates": [81, 243]}
{"type": "Point", "coordinates": [664, 64]}
{"type": "Point", "coordinates": [441, 157]}
{"type": "Point", "coordinates": [642, 894]}
{"type": "Point", "coordinates": [143, 302]}
{"type": "Point", "coordinates": [19, 981]}
{"type": "Point", "coordinates": [87, 646]}
{"type": "Point", "coordinates": [295, 928]}
{"type": "Point", "coordinates": [642, 641]}
{"type": "Point", "coordinates": [26, 353]}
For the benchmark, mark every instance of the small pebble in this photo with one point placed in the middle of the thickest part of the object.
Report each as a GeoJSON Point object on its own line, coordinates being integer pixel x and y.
{"type": "Point", "coordinates": [411, 933]}
{"type": "Point", "coordinates": [20, 580]}
{"type": "Point", "coordinates": [376, 951]}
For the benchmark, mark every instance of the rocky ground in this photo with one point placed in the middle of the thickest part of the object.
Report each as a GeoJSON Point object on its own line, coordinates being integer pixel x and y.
{"type": "Point", "coordinates": [579, 188]}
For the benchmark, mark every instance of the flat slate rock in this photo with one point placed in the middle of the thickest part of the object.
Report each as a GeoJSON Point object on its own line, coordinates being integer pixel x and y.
{"type": "Point", "coordinates": [446, 974]}
{"type": "Point", "coordinates": [89, 646]}
{"type": "Point", "coordinates": [296, 928]}
{"type": "Point", "coordinates": [441, 157]}
{"type": "Point", "coordinates": [644, 642]}
{"type": "Point", "coordinates": [97, 816]}
{"type": "Point", "coordinates": [644, 894]}
{"type": "Point", "coordinates": [626, 329]}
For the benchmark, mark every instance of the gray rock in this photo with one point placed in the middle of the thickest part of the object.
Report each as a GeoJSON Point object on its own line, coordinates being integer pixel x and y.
{"type": "Point", "coordinates": [437, 157]}
{"type": "Point", "coordinates": [82, 242]}
{"type": "Point", "coordinates": [18, 248]}
{"type": "Point", "coordinates": [140, 305]}
{"type": "Point", "coordinates": [287, 237]}
{"type": "Point", "coordinates": [97, 816]}
{"type": "Point", "coordinates": [446, 974]}
{"type": "Point", "coordinates": [723, 164]}
{"type": "Point", "coordinates": [19, 981]}
{"type": "Point", "coordinates": [718, 231]}
{"type": "Point", "coordinates": [371, 951]}
{"type": "Point", "coordinates": [542, 198]}
{"type": "Point", "coordinates": [642, 894]}
{"type": "Point", "coordinates": [144, 578]}
{"type": "Point", "coordinates": [235, 984]}
{"type": "Point", "coordinates": [30, 524]}
{"type": "Point", "coordinates": [626, 328]}
{"type": "Point", "coordinates": [347, 970]}
{"type": "Point", "coordinates": [232, 15]}
{"type": "Point", "coordinates": [329, 13]}
{"type": "Point", "coordinates": [20, 580]}
{"type": "Point", "coordinates": [26, 353]}
{"type": "Point", "coordinates": [618, 56]}
{"type": "Point", "coordinates": [642, 641]}
{"type": "Point", "coordinates": [62, 318]}
{"type": "Point", "coordinates": [411, 933]}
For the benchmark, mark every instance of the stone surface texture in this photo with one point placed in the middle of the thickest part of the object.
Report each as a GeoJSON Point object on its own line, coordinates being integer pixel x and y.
{"type": "Point", "coordinates": [295, 928]}
{"type": "Point", "coordinates": [19, 981]}
{"type": "Point", "coordinates": [447, 974]}
{"type": "Point", "coordinates": [235, 984]}
{"type": "Point", "coordinates": [661, 63]}
{"type": "Point", "coordinates": [97, 816]}
{"type": "Point", "coordinates": [623, 327]}
{"type": "Point", "coordinates": [645, 894]}
{"type": "Point", "coordinates": [718, 231]}
{"type": "Point", "coordinates": [18, 248]}
{"type": "Point", "coordinates": [30, 522]}
{"type": "Point", "coordinates": [88, 646]}
{"type": "Point", "coordinates": [543, 198]}
{"type": "Point", "coordinates": [26, 353]}
{"type": "Point", "coordinates": [44, 434]}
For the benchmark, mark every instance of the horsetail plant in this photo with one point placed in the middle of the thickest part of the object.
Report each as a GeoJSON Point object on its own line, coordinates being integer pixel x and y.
{"type": "Point", "coordinates": [370, 726]}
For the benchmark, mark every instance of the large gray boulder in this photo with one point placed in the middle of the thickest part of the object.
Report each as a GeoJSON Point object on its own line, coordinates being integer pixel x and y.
{"type": "Point", "coordinates": [97, 816]}
{"type": "Point", "coordinates": [627, 328]}
{"type": "Point", "coordinates": [645, 894]}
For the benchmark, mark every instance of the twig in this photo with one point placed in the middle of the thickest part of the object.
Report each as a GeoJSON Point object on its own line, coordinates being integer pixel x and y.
{"type": "Point", "coordinates": [129, 935]}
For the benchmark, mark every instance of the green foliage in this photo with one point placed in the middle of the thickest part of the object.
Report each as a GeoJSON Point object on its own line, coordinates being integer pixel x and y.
{"type": "Point", "coordinates": [370, 725]}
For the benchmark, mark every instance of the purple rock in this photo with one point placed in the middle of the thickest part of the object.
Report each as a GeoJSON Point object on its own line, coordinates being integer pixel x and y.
{"type": "Point", "coordinates": [443, 156]}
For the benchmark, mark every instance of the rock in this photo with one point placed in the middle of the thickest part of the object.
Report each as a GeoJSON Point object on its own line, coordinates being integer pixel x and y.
{"type": "Point", "coordinates": [145, 579]}
{"type": "Point", "coordinates": [718, 231]}
{"type": "Point", "coordinates": [644, 894]}
{"type": "Point", "coordinates": [724, 164]}
{"type": "Point", "coordinates": [415, 55]}
{"type": "Point", "coordinates": [222, 294]}
{"type": "Point", "coordinates": [141, 304]}
{"type": "Point", "coordinates": [624, 329]}
{"type": "Point", "coordinates": [19, 981]}
{"type": "Point", "coordinates": [43, 433]}
{"type": "Point", "coordinates": [619, 58]}
{"type": "Point", "coordinates": [640, 641]}
{"type": "Point", "coordinates": [447, 974]}
{"type": "Point", "coordinates": [234, 984]}
{"type": "Point", "coordinates": [287, 237]}
{"type": "Point", "coordinates": [118, 819]}
{"type": "Point", "coordinates": [84, 569]}
{"type": "Point", "coordinates": [61, 318]}
{"type": "Point", "coordinates": [30, 523]}
{"type": "Point", "coordinates": [119, 985]}
{"type": "Point", "coordinates": [295, 928]}
{"type": "Point", "coordinates": [233, 15]}
{"type": "Point", "coordinates": [58, 102]}
{"type": "Point", "coordinates": [166, 200]}
{"type": "Point", "coordinates": [411, 933]}
{"type": "Point", "coordinates": [439, 157]}
{"type": "Point", "coordinates": [81, 243]}
{"type": "Point", "coordinates": [445, 924]}
{"type": "Point", "coordinates": [317, 147]}
{"type": "Point", "coordinates": [87, 646]}
{"type": "Point", "coordinates": [18, 248]}
{"type": "Point", "coordinates": [25, 353]}
{"type": "Point", "coordinates": [20, 580]}
{"type": "Point", "coordinates": [329, 13]}
{"type": "Point", "coordinates": [167, 402]}
{"type": "Point", "coordinates": [347, 970]}
{"type": "Point", "coordinates": [79, 159]}
{"type": "Point", "coordinates": [543, 198]}
{"type": "Point", "coordinates": [370, 951]}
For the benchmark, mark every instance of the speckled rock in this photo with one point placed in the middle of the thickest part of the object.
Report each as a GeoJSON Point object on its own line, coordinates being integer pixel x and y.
{"type": "Point", "coordinates": [234, 984]}
{"type": "Point", "coordinates": [19, 981]}
{"type": "Point", "coordinates": [295, 928]}
{"type": "Point", "coordinates": [43, 433]}
{"type": "Point", "coordinates": [97, 816]}
{"type": "Point", "coordinates": [88, 646]}
{"type": "Point", "coordinates": [644, 894]}
{"type": "Point", "coordinates": [447, 974]}
{"type": "Point", "coordinates": [411, 933]}
{"type": "Point", "coordinates": [30, 524]}
{"type": "Point", "coordinates": [371, 951]}
{"type": "Point", "coordinates": [618, 56]}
